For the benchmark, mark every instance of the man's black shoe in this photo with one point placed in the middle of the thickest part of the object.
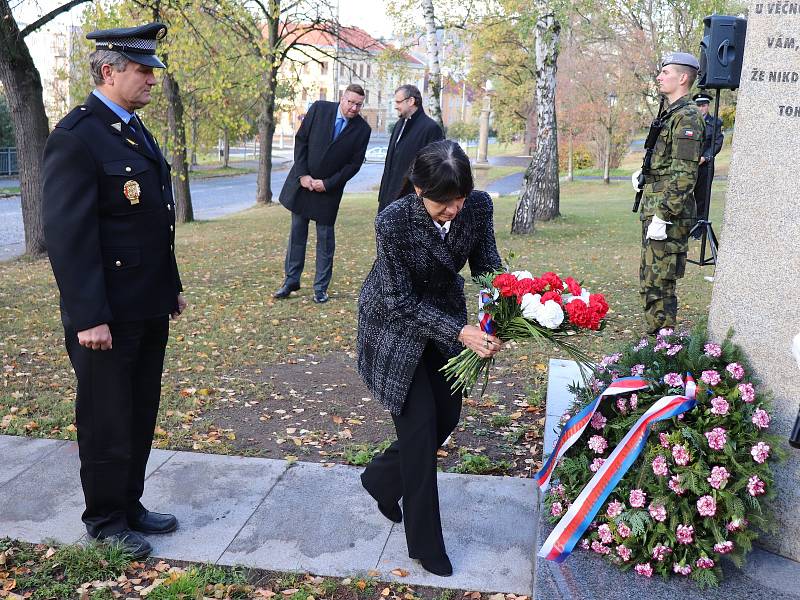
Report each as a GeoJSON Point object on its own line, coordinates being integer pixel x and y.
{"type": "Point", "coordinates": [438, 566]}
{"type": "Point", "coordinates": [152, 522]}
{"type": "Point", "coordinates": [285, 290]}
{"type": "Point", "coordinates": [321, 297]}
{"type": "Point", "coordinates": [131, 542]}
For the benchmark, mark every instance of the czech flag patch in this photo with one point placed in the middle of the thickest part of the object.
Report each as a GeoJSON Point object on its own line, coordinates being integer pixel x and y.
{"type": "Point", "coordinates": [688, 133]}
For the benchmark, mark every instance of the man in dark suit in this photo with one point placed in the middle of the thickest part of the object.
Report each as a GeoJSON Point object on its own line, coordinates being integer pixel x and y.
{"type": "Point", "coordinates": [329, 150]}
{"type": "Point", "coordinates": [109, 221]}
{"type": "Point", "coordinates": [705, 172]}
{"type": "Point", "coordinates": [413, 130]}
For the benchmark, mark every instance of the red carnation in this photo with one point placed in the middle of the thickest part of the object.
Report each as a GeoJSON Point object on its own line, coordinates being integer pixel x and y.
{"type": "Point", "coordinates": [552, 296]}
{"type": "Point", "coordinates": [524, 286]}
{"type": "Point", "coordinates": [539, 285]}
{"type": "Point", "coordinates": [573, 286]}
{"type": "Point", "coordinates": [506, 283]}
{"type": "Point", "coordinates": [553, 280]}
{"type": "Point", "coordinates": [579, 314]}
{"type": "Point", "coordinates": [598, 304]}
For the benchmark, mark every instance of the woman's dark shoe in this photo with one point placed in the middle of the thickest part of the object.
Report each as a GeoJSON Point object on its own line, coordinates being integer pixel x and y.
{"type": "Point", "coordinates": [438, 566]}
{"type": "Point", "coordinates": [393, 513]}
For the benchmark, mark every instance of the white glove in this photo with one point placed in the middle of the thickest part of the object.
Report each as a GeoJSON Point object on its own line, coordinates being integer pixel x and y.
{"type": "Point", "coordinates": [657, 230]}
{"type": "Point", "coordinates": [635, 181]}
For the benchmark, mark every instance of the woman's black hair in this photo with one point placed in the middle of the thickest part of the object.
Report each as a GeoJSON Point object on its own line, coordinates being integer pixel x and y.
{"type": "Point", "coordinates": [442, 172]}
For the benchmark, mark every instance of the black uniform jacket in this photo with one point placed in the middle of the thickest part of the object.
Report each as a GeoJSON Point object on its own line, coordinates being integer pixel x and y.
{"type": "Point", "coordinates": [414, 294]}
{"type": "Point", "coordinates": [419, 131]}
{"type": "Point", "coordinates": [334, 162]}
{"type": "Point", "coordinates": [109, 220]}
{"type": "Point", "coordinates": [710, 125]}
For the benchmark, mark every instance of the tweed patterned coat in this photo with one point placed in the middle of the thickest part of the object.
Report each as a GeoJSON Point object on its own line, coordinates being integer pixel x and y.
{"type": "Point", "coordinates": [414, 293]}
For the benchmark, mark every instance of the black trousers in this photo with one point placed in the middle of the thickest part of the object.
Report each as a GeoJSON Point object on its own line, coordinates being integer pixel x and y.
{"type": "Point", "coordinates": [407, 468]}
{"type": "Point", "coordinates": [296, 253]}
{"type": "Point", "coordinates": [116, 410]}
{"type": "Point", "coordinates": [701, 195]}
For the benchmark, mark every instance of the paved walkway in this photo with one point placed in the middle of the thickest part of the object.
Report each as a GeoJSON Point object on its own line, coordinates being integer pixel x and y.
{"type": "Point", "coordinates": [274, 515]}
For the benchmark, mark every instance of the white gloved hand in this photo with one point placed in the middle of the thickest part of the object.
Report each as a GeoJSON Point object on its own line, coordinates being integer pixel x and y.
{"type": "Point", "coordinates": [635, 181]}
{"type": "Point", "coordinates": [657, 230]}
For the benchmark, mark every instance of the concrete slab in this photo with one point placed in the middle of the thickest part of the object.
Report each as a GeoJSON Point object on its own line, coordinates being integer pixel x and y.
{"type": "Point", "coordinates": [157, 459]}
{"type": "Point", "coordinates": [18, 454]}
{"type": "Point", "coordinates": [560, 375]}
{"type": "Point", "coordinates": [489, 526]}
{"type": "Point", "coordinates": [47, 502]}
{"type": "Point", "coordinates": [316, 519]}
{"type": "Point", "coordinates": [213, 496]}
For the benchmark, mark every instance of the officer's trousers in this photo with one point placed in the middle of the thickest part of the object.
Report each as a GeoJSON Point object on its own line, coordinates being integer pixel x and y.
{"type": "Point", "coordinates": [116, 410]}
{"type": "Point", "coordinates": [407, 468]}
{"type": "Point", "coordinates": [701, 192]}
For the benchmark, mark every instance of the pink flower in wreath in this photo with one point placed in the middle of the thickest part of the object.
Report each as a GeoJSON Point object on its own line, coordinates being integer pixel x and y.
{"type": "Point", "coordinates": [637, 370]}
{"type": "Point", "coordinates": [584, 544]}
{"type": "Point", "coordinates": [755, 487]}
{"type": "Point", "coordinates": [736, 370]}
{"type": "Point", "coordinates": [674, 349]}
{"type": "Point", "coordinates": [556, 509]}
{"type": "Point", "coordinates": [615, 508]}
{"type": "Point", "coordinates": [663, 439]}
{"type": "Point", "coordinates": [680, 454]}
{"type": "Point", "coordinates": [565, 417]}
{"type": "Point", "coordinates": [760, 452]}
{"type": "Point", "coordinates": [643, 343]}
{"type": "Point", "coordinates": [665, 332]}
{"type": "Point", "coordinates": [637, 498]}
{"type": "Point", "coordinates": [658, 512]}
{"type": "Point", "coordinates": [624, 552]}
{"type": "Point", "coordinates": [598, 443]}
{"type": "Point", "coordinates": [675, 485]}
{"type": "Point", "coordinates": [761, 418]}
{"type": "Point", "coordinates": [596, 464]}
{"type": "Point", "coordinates": [737, 525]}
{"type": "Point", "coordinates": [716, 438]}
{"type": "Point", "coordinates": [681, 569]}
{"type": "Point", "coordinates": [661, 345]}
{"type": "Point", "coordinates": [710, 377]}
{"type": "Point", "coordinates": [673, 379]}
{"type": "Point", "coordinates": [660, 552]}
{"type": "Point", "coordinates": [714, 350]}
{"type": "Point", "coordinates": [724, 547]}
{"type": "Point", "coordinates": [634, 401]}
{"type": "Point", "coordinates": [706, 506]}
{"type": "Point", "coordinates": [598, 421]}
{"type": "Point", "coordinates": [600, 548]}
{"type": "Point", "coordinates": [604, 531]}
{"type": "Point", "coordinates": [719, 406]}
{"type": "Point", "coordinates": [685, 534]}
{"type": "Point", "coordinates": [622, 405]}
{"type": "Point", "coordinates": [719, 477]}
{"type": "Point", "coordinates": [747, 391]}
{"type": "Point", "coordinates": [644, 569]}
{"type": "Point", "coordinates": [623, 530]}
{"type": "Point", "coordinates": [660, 466]}
{"type": "Point", "coordinates": [704, 563]}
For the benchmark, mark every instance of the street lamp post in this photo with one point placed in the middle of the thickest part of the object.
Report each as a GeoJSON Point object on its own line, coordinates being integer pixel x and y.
{"type": "Point", "coordinates": [483, 135]}
{"type": "Point", "coordinates": [612, 101]}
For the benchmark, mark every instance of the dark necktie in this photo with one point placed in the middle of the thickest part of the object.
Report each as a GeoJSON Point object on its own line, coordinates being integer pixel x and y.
{"type": "Point", "coordinates": [138, 129]}
{"type": "Point", "coordinates": [337, 129]}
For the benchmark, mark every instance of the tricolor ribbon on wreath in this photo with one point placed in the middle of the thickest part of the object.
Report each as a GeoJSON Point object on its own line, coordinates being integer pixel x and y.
{"type": "Point", "coordinates": [577, 519]}
{"type": "Point", "coordinates": [485, 319]}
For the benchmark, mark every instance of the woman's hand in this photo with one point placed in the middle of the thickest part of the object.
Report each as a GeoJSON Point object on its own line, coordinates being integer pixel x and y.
{"type": "Point", "coordinates": [483, 344]}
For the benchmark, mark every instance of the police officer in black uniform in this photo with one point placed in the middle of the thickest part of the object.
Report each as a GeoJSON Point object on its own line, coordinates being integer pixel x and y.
{"type": "Point", "coordinates": [109, 220]}
{"type": "Point", "coordinates": [706, 170]}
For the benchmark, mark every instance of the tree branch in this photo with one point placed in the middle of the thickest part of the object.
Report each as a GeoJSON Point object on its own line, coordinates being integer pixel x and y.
{"type": "Point", "coordinates": [45, 19]}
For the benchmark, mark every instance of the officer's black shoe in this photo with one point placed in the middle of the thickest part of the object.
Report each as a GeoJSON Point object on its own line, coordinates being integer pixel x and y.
{"type": "Point", "coordinates": [321, 297]}
{"type": "Point", "coordinates": [438, 566]}
{"type": "Point", "coordinates": [152, 522]}
{"type": "Point", "coordinates": [285, 290]}
{"type": "Point", "coordinates": [131, 542]}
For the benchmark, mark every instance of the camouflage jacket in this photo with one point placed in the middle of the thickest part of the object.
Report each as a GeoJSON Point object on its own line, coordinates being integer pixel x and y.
{"type": "Point", "coordinates": [669, 187]}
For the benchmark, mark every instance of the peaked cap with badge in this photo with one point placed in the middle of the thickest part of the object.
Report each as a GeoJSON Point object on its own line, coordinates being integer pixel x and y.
{"type": "Point", "coordinates": [702, 98]}
{"type": "Point", "coordinates": [109, 221]}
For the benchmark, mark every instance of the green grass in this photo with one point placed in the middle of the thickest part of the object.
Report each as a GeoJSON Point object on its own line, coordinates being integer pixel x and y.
{"type": "Point", "coordinates": [220, 172]}
{"type": "Point", "coordinates": [7, 192]}
{"type": "Point", "coordinates": [204, 581]}
{"type": "Point", "coordinates": [478, 464]}
{"type": "Point", "coordinates": [359, 455]}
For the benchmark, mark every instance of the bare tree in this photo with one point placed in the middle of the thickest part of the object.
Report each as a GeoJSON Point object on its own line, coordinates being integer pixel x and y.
{"type": "Point", "coordinates": [434, 69]}
{"type": "Point", "coordinates": [23, 87]}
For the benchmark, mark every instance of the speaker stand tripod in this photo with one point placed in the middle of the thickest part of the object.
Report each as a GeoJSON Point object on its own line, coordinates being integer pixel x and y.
{"type": "Point", "coordinates": [703, 230]}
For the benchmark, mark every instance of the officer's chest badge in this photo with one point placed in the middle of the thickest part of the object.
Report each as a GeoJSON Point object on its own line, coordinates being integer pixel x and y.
{"type": "Point", "coordinates": [131, 142]}
{"type": "Point", "coordinates": [132, 191]}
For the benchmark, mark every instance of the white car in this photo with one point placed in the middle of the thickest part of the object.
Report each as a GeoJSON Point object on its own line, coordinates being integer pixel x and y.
{"type": "Point", "coordinates": [376, 155]}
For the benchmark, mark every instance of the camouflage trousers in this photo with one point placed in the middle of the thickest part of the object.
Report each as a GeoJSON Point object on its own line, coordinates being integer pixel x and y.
{"type": "Point", "coordinates": [663, 263]}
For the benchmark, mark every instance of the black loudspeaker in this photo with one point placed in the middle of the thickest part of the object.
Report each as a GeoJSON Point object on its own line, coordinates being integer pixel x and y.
{"type": "Point", "coordinates": [721, 52]}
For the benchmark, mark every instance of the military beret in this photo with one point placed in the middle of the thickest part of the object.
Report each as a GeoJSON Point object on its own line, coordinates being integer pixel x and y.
{"type": "Point", "coordinates": [134, 43]}
{"type": "Point", "coordinates": [680, 58]}
{"type": "Point", "coordinates": [701, 98]}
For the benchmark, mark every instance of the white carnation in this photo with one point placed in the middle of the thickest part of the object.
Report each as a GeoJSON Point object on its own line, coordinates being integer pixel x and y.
{"type": "Point", "coordinates": [531, 305]}
{"type": "Point", "coordinates": [522, 275]}
{"type": "Point", "coordinates": [551, 315]}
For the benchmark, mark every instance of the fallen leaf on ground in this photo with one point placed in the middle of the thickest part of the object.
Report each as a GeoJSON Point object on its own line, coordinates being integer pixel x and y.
{"type": "Point", "coordinates": [400, 572]}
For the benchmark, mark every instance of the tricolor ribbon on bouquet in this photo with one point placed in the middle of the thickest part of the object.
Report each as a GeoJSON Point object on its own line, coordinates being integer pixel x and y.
{"type": "Point", "coordinates": [577, 519]}
{"type": "Point", "coordinates": [485, 319]}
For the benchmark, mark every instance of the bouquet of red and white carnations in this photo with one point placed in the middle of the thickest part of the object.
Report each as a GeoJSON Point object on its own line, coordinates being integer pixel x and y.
{"type": "Point", "coordinates": [518, 306]}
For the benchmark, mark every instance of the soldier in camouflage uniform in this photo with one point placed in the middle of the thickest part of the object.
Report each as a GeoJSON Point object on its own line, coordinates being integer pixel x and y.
{"type": "Point", "coordinates": [668, 209]}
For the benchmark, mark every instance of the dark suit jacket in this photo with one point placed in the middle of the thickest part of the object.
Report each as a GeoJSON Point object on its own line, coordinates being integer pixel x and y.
{"type": "Point", "coordinates": [420, 131]}
{"type": "Point", "coordinates": [113, 260]}
{"type": "Point", "coordinates": [335, 162]}
{"type": "Point", "coordinates": [710, 125]}
{"type": "Point", "coordinates": [414, 293]}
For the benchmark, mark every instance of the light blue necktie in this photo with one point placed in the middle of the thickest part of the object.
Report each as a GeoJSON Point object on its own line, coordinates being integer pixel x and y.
{"type": "Point", "coordinates": [337, 129]}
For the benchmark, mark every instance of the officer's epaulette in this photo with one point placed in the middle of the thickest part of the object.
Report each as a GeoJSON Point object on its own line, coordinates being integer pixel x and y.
{"type": "Point", "coordinates": [72, 118]}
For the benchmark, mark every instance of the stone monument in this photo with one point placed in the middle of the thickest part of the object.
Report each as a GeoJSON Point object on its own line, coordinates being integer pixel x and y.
{"type": "Point", "coordinates": [757, 280]}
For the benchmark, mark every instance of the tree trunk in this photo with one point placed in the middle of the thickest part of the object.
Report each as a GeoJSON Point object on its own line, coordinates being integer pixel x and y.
{"type": "Point", "coordinates": [226, 148]}
{"type": "Point", "coordinates": [570, 163]}
{"type": "Point", "coordinates": [23, 88]}
{"type": "Point", "coordinates": [184, 213]}
{"type": "Point", "coordinates": [539, 198]}
{"type": "Point", "coordinates": [193, 162]}
{"type": "Point", "coordinates": [434, 99]}
{"type": "Point", "coordinates": [607, 162]}
{"type": "Point", "coordinates": [266, 131]}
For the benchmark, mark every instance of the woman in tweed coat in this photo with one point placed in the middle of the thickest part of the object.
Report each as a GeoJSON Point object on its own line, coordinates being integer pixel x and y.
{"type": "Point", "coordinates": [412, 318]}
